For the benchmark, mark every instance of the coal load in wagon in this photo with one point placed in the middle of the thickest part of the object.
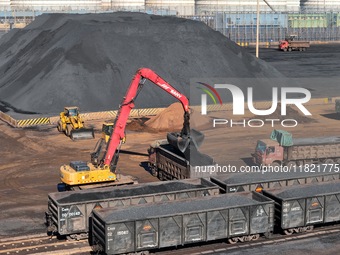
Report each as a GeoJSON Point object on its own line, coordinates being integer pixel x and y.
{"type": "Point", "coordinates": [267, 180]}
{"type": "Point", "coordinates": [68, 212]}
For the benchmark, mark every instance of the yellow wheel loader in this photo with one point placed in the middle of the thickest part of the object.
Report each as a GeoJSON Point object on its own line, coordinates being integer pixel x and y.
{"type": "Point", "coordinates": [72, 124]}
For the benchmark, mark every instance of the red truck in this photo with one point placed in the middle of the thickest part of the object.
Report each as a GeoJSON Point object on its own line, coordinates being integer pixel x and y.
{"type": "Point", "coordinates": [290, 44]}
{"type": "Point", "coordinates": [282, 149]}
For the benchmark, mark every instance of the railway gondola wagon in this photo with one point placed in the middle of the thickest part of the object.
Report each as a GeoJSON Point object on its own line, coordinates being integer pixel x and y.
{"type": "Point", "coordinates": [69, 212]}
{"type": "Point", "coordinates": [299, 209]}
{"type": "Point", "coordinates": [236, 217]}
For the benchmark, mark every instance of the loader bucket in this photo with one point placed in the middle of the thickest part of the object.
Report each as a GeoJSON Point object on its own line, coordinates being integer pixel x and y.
{"type": "Point", "coordinates": [189, 147]}
{"type": "Point", "coordinates": [82, 133]}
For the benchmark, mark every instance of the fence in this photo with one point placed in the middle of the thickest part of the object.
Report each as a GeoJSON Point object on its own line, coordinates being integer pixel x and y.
{"type": "Point", "coordinates": [241, 26]}
{"type": "Point", "coordinates": [237, 24]}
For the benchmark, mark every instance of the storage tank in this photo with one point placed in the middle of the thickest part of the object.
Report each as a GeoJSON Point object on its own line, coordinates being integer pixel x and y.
{"type": "Point", "coordinates": [211, 6]}
{"type": "Point", "coordinates": [293, 5]}
{"type": "Point", "coordinates": [172, 7]}
{"type": "Point", "coordinates": [52, 5]}
{"type": "Point", "coordinates": [4, 3]}
{"type": "Point", "coordinates": [320, 5]}
{"type": "Point", "coordinates": [123, 5]}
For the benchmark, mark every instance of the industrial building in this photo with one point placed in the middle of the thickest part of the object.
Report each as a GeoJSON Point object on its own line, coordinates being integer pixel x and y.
{"type": "Point", "coordinates": [313, 20]}
{"type": "Point", "coordinates": [173, 7]}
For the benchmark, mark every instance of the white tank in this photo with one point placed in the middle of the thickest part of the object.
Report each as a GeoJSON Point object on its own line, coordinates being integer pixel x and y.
{"type": "Point", "coordinates": [123, 4]}
{"type": "Point", "coordinates": [5, 4]}
{"type": "Point", "coordinates": [173, 7]}
{"type": "Point", "coordinates": [210, 6]}
{"type": "Point", "coordinates": [320, 5]}
{"type": "Point", "coordinates": [56, 5]}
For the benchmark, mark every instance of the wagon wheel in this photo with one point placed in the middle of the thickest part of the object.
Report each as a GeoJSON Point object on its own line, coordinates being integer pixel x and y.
{"type": "Point", "coordinates": [154, 172]}
{"type": "Point", "coordinates": [233, 240]}
{"type": "Point", "coordinates": [291, 164]}
{"type": "Point", "coordinates": [329, 161]}
{"type": "Point", "coordinates": [289, 49]}
{"type": "Point", "coordinates": [153, 169]}
{"type": "Point", "coordinates": [255, 237]}
{"type": "Point", "coordinates": [288, 232]}
{"type": "Point", "coordinates": [300, 162]}
{"type": "Point", "coordinates": [275, 164]}
{"type": "Point", "coordinates": [309, 228]}
{"type": "Point", "coordinates": [242, 239]}
{"type": "Point", "coordinates": [160, 176]}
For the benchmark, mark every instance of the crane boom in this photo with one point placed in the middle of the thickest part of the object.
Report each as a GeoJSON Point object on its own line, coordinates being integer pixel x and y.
{"type": "Point", "coordinates": [127, 105]}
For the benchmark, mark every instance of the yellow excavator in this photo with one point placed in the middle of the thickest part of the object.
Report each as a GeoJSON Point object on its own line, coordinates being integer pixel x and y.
{"type": "Point", "coordinates": [72, 124]}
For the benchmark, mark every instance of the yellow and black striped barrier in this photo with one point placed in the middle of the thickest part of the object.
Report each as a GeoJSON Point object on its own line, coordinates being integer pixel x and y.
{"type": "Point", "coordinates": [137, 113]}
{"type": "Point", "coordinates": [33, 122]}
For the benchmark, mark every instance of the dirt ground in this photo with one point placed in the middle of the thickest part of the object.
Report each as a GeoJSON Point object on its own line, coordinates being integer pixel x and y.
{"type": "Point", "coordinates": [31, 157]}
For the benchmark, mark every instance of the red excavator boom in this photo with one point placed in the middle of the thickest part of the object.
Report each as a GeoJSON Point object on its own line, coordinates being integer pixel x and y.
{"type": "Point", "coordinates": [127, 105]}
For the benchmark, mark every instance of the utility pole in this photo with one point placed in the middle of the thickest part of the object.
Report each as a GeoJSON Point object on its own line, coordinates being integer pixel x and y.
{"type": "Point", "coordinates": [258, 23]}
{"type": "Point", "coordinates": [257, 27]}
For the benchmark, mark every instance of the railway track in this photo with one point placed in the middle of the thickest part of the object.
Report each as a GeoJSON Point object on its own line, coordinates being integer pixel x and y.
{"type": "Point", "coordinates": [42, 244]}
{"type": "Point", "coordinates": [224, 248]}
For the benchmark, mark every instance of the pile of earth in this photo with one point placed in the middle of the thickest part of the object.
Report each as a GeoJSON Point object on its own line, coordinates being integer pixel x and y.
{"type": "Point", "coordinates": [171, 119]}
{"type": "Point", "coordinates": [88, 60]}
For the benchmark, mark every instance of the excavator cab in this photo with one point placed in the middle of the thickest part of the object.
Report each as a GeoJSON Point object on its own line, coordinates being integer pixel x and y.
{"type": "Point", "coordinates": [107, 131]}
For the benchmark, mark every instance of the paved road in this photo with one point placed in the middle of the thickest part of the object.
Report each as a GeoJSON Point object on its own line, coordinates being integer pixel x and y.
{"type": "Point", "coordinates": [317, 69]}
{"type": "Point", "coordinates": [318, 61]}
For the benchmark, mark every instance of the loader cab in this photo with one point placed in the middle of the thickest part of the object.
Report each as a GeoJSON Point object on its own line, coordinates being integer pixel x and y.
{"type": "Point", "coordinates": [71, 111]}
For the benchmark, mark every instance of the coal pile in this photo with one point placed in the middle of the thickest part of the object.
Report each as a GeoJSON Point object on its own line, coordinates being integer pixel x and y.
{"type": "Point", "coordinates": [89, 60]}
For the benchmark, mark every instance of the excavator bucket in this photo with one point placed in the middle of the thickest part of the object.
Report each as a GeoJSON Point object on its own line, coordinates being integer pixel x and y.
{"type": "Point", "coordinates": [82, 133]}
{"type": "Point", "coordinates": [189, 145]}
